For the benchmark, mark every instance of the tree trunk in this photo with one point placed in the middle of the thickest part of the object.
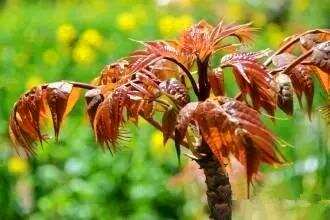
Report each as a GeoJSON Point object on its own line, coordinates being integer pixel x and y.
{"type": "Point", "coordinates": [219, 194]}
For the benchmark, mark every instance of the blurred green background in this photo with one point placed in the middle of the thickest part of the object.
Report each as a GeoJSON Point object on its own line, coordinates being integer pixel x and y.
{"type": "Point", "coordinates": [49, 40]}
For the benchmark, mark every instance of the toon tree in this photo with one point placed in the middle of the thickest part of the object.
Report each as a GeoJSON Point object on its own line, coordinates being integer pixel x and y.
{"type": "Point", "coordinates": [174, 86]}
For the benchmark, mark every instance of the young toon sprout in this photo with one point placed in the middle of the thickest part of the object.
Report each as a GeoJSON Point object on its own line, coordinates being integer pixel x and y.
{"type": "Point", "coordinates": [158, 78]}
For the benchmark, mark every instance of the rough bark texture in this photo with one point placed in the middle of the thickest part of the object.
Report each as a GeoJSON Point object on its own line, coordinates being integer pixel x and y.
{"type": "Point", "coordinates": [219, 194]}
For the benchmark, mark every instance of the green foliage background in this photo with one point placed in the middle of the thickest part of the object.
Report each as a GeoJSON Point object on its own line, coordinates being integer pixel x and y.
{"type": "Point", "coordinates": [45, 41]}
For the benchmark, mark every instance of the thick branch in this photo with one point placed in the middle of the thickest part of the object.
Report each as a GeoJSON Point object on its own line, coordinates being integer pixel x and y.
{"type": "Point", "coordinates": [203, 83]}
{"type": "Point", "coordinates": [219, 194]}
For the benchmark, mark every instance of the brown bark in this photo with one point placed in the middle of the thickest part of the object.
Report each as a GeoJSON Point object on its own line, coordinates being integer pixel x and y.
{"type": "Point", "coordinates": [219, 194]}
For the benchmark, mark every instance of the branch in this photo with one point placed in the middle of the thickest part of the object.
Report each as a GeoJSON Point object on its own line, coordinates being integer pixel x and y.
{"type": "Point", "coordinates": [273, 72]}
{"type": "Point", "coordinates": [298, 61]}
{"type": "Point", "coordinates": [187, 72]}
{"type": "Point", "coordinates": [82, 85]}
{"type": "Point", "coordinates": [290, 43]}
{"type": "Point", "coordinates": [204, 86]}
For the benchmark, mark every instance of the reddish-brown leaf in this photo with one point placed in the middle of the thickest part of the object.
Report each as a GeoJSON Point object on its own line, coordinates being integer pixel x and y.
{"type": "Point", "coordinates": [321, 59]}
{"type": "Point", "coordinates": [24, 127]}
{"type": "Point", "coordinates": [310, 40]}
{"type": "Point", "coordinates": [168, 123]}
{"type": "Point", "coordinates": [176, 90]}
{"type": "Point", "coordinates": [284, 91]}
{"type": "Point", "coordinates": [164, 69]}
{"type": "Point", "coordinates": [243, 32]}
{"type": "Point", "coordinates": [112, 73]}
{"type": "Point", "coordinates": [252, 78]}
{"type": "Point", "coordinates": [27, 112]}
{"type": "Point", "coordinates": [216, 79]}
{"type": "Point", "coordinates": [109, 117]}
{"type": "Point", "coordinates": [196, 40]}
{"type": "Point", "coordinates": [300, 77]}
{"type": "Point", "coordinates": [323, 77]}
{"type": "Point", "coordinates": [251, 158]}
{"type": "Point", "coordinates": [57, 95]}
{"type": "Point", "coordinates": [231, 127]}
{"type": "Point", "coordinates": [202, 39]}
{"type": "Point", "coordinates": [135, 97]}
{"type": "Point", "coordinates": [24, 124]}
{"type": "Point", "coordinates": [93, 99]}
{"type": "Point", "coordinates": [155, 51]}
{"type": "Point", "coordinates": [321, 56]}
{"type": "Point", "coordinates": [183, 120]}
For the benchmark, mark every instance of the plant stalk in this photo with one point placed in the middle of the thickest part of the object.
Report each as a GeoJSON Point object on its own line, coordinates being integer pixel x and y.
{"type": "Point", "coordinates": [203, 83]}
{"type": "Point", "coordinates": [219, 194]}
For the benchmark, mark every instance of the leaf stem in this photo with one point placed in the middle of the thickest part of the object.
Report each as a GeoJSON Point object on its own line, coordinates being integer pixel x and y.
{"type": "Point", "coordinates": [82, 85]}
{"type": "Point", "coordinates": [187, 72]}
{"type": "Point", "coordinates": [291, 42]}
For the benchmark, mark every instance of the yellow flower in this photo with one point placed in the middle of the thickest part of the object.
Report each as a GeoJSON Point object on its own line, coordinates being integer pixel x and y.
{"type": "Point", "coordinates": [157, 147]}
{"type": "Point", "coordinates": [17, 165]}
{"type": "Point", "coordinates": [167, 25]}
{"type": "Point", "coordinates": [92, 37]}
{"type": "Point", "coordinates": [66, 33]}
{"type": "Point", "coordinates": [50, 57]}
{"type": "Point", "coordinates": [126, 21]}
{"type": "Point", "coordinates": [83, 54]}
{"type": "Point", "coordinates": [33, 81]}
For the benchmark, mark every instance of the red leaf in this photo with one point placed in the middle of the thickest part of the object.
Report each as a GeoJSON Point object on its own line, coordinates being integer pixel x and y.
{"type": "Point", "coordinates": [109, 117]}
{"type": "Point", "coordinates": [321, 56]}
{"type": "Point", "coordinates": [231, 127]}
{"type": "Point", "coordinates": [176, 90]}
{"type": "Point", "coordinates": [24, 123]}
{"type": "Point", "coordinates": [112, 73]}
{"type": "Point", "coordinates": [216, 79]}
{"type": "Point", "coordinates": [284, 93]}
{"type": "Point", "coordinates": [57, 95]}
{"type": "Point", "coordinates": [253, 78]}
{"type": "Point", "coordinates": [183, 120]}
{"type": "Point", "coordinates": [168, 123]}
{"type": "Point", "coordinates": [300, 77]}
{"type": "Point", "coordinates": [310, 40]}
{"type": "Point", "coordinates": [93, 99]}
